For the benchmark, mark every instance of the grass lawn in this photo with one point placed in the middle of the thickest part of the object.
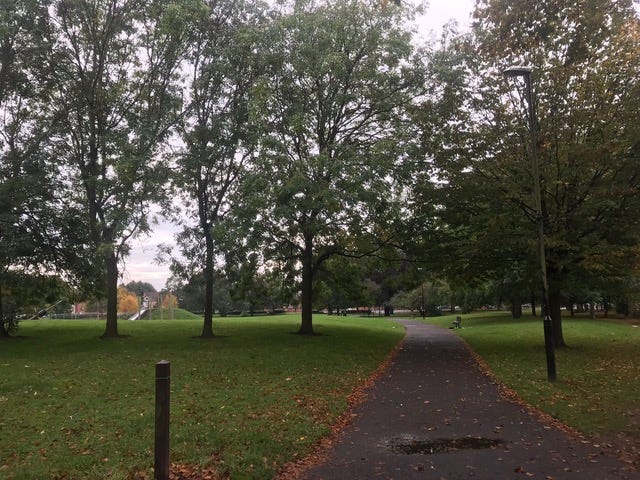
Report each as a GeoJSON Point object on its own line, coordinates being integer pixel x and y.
{"type": "Point", "coordinates": [75, 406]}
{"type": "Point", "coordinates": [598, 386]}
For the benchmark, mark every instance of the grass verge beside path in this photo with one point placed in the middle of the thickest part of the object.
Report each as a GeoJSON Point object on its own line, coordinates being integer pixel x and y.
{"type": "Point", "coordinates": [598, 381]}
{"type": "Point", "coordinates": [246, 402]}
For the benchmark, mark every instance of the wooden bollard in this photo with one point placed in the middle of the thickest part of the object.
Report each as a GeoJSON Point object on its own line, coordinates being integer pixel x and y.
{"type": "Point", "coordinates": [163, 392]}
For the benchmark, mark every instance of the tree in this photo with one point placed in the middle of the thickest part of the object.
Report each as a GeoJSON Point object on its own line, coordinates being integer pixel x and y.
{"type": "Point", "coordinates": [331, 111]}
{"type": "Point", "coordinates": [216, 133]}
{"type": "Point", "coordinates": [244, 278]}
{"type": "Point", "coordinates": [586, 62]}
{"type": "Point", "coordinates": [341, 282]}
{"type": "Point", "coordinates": [112, 83]}
{"type": "Point", "coordinates": [189, 290]}
{"type": "Point", "coordinates": [28, 295]}
{"type": "Point", "coordinates": [127, 301]}
{"type": "Point", "coordinates": [426, 298]}
{"type": "Point", "coordinates": [169, 300]}
{"type": "Point", "coordinates": [28, 227]}
{"type": "Point", "coordinates": [139, 288]}
{"type": "Point", "coordinates": [588, 149]}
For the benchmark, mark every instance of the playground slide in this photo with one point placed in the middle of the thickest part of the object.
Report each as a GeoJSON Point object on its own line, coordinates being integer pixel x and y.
{"type": "Point", "coordinates": [137, 315]}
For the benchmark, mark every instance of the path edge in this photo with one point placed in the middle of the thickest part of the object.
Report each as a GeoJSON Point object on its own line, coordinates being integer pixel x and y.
{"type": "Point", "coordinates": [615, 447]}
{"type": "Point", "coordinates": [319, 453]}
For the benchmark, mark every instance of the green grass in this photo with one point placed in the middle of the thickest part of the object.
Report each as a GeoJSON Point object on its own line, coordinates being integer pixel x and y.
{"type": "Point", "coordinates": [256, 397]}
{"type": "Point", "coordinates": [172, 314]}
{"type": "Point", "coordinates": [76, 406]}
{"type": "Point", "coordinates": [598, 373]}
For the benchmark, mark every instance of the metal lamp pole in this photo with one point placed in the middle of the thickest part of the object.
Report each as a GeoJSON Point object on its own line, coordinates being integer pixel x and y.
{"type": "Point", "coordinates": [525, 73]}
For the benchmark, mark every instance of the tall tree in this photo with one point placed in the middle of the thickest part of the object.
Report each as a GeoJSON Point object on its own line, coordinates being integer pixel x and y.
{"type": "Point", "coordinates": [113, 70]}
{"type": "Point", "coordinates": [28, 227]}
{"type": "Point", "coordinates": [469, 225]}
{"type": "Point", "coordinates": [332, 111]}
{"type": "Point", "coordinates": [588, 148]}
{"type": "Point", "coordinates": [216, 132]}
{"type": "Point", "coordinates": [586, 57]}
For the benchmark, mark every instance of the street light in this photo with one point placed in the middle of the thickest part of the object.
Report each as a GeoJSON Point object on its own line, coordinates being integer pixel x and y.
{"type": "Point", "coordinates": [525, 72]}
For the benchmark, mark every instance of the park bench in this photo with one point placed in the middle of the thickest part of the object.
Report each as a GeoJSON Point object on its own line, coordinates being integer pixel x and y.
{"type": "Point", "coordinates": [457, 323]}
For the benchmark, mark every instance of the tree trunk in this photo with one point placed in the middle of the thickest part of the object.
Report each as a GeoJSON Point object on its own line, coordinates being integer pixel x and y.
{"type": "Point", "coordinates": [533, 305]}
{"type": "Point", "coordinates": [207, 327]}
{"type": "Point", "coordinates": [111, 329]}
{"type": "Point", "coordinates": [306, 327]}
{"type": "Point", "coordinates": [555, 303]}
{"type": "Point", "coordinates": [516, 309]}
{"type": "Point", "coordinates": [4, 333]}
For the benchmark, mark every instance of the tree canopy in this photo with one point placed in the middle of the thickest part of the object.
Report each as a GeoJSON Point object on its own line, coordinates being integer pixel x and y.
{"type": "Point", "coordinates": [28, 231]}
{"type": "Point", "coordinates": [112, 74]}
{"type": "Point", "coordinates": [333, 127]}
{"type": "Point", "coordinates": [480, 202]}
{"type": "Point", "coordinates": [217, 134]}
{"type": "Point", "coordinates": [303, 136]}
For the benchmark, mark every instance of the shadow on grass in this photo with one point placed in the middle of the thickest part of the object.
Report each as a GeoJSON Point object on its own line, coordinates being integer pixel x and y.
{"type": "Point", "coordinates": [215, 336]}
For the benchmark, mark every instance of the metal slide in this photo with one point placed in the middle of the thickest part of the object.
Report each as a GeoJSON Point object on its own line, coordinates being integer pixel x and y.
{"type": "Point", "coordinates": [139, 314]}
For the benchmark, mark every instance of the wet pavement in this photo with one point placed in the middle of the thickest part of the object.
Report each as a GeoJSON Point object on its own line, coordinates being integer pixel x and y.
{"type": "Point", "coordinates": [435, 415]}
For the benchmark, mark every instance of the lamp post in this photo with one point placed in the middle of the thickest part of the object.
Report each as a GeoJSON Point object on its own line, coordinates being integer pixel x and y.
{"type": "Point", "coordinates": [525, 73]}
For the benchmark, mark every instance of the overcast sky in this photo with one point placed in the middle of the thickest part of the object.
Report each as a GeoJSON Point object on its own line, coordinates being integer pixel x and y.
{"type": "Point", "coordinates": [139, 266]}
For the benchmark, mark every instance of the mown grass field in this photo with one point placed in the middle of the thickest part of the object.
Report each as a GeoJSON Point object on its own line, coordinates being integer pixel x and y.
{"type": "Point", "coordinates": [598, 387]}
{"type": "Point", "coordinates": [75, 406]}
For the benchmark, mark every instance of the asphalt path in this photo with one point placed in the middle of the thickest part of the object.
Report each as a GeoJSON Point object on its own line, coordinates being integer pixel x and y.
{"type": "Point", "coordinates": [434, 414]}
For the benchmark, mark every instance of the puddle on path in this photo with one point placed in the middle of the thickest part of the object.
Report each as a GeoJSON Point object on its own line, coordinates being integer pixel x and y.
{"type": "Point", "coordinates": [412, 446]}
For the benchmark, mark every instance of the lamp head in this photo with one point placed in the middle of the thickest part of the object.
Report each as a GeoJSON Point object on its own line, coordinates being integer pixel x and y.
{"type": "Point", "coordinates": [518, 71]}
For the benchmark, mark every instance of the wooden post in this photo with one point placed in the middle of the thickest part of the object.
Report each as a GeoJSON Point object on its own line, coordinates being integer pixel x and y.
{"type": "Point", "coordinates": [163, 381]}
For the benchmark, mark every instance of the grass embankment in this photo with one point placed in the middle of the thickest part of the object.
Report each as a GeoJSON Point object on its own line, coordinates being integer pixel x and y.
{"type": "Point", "coordinates": [598, 373]}
{"type": "Point", "coordinates": [76, 406]}
{"type": "Point", "coordinates": [172, 314]}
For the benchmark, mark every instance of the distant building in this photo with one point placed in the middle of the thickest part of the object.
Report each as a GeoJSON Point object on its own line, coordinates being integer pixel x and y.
{"type": "Point", "coordinates": [150, 300]}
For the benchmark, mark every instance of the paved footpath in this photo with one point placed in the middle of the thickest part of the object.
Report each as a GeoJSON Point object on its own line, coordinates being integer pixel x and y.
{"type": "Point", "coordinates": [435, 415]}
